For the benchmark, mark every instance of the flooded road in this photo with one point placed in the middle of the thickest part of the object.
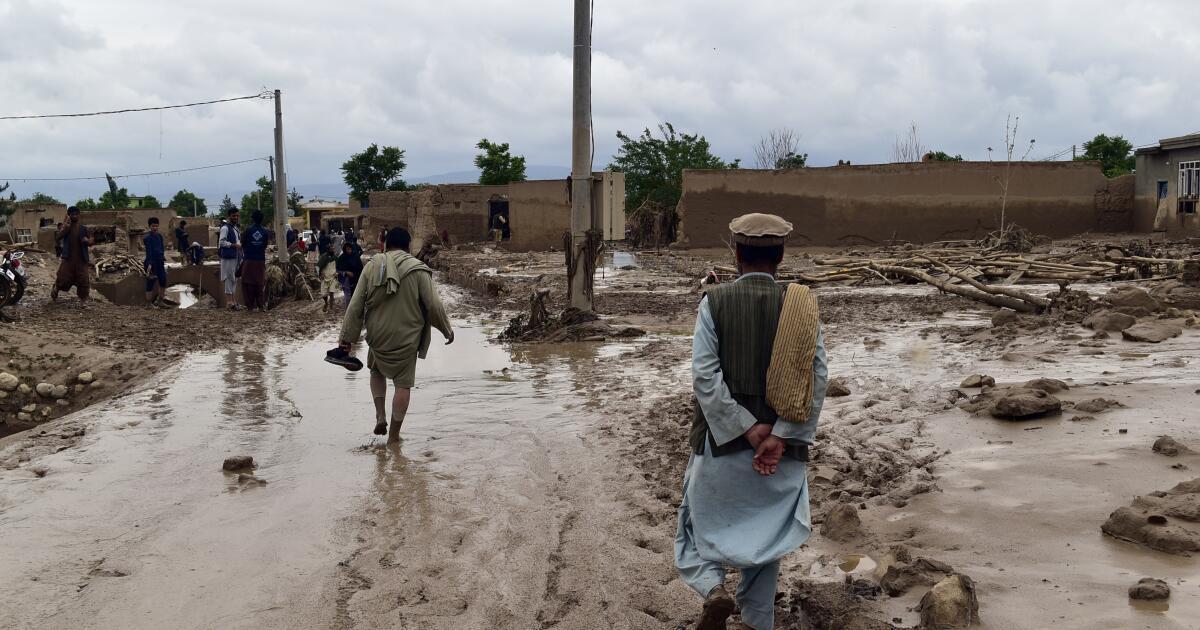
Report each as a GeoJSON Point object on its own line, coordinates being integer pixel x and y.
{"type": "Point", "coordinates": [500, 509]}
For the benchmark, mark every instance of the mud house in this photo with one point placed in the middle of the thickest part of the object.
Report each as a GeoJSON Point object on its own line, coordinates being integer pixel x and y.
{"type": "Point", "coordinates": [314, 210]}
{"type": "Point", "coordinates": [537, 212]}
{"type": "Point", "coordinates": [29, 218]}
{"type": "Point", "coordinates": [1168, 186]}
{"type": "Point", "coordinates": [917, 202]}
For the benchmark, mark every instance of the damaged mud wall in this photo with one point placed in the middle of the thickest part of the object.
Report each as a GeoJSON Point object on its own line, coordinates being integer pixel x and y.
{"type": "Point", "coordinates": [539, 214]}
{"type": "Point", "coordinates": [460, 209]}
{"type": "Point", "coordinates": [909, 202]}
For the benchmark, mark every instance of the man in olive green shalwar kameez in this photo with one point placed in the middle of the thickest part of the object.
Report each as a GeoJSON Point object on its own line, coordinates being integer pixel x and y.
{"type": "Point", "coordinates": [397, 301]}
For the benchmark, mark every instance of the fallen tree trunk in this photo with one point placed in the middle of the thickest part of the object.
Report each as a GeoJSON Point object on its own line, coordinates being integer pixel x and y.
{"type": "Point", "coordinates": [1027, 304]}
{"type": "Point", "coordinates": [1040, 302]}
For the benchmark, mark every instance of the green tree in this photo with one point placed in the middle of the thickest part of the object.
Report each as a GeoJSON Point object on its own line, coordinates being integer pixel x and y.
{"type": "Point", "coordinates": [40, 198]}
{"type": "Point", "coordinates": [1115, 154]}
{"type": "Point", "coordinates": [226, 206]}
{"type": "Point", "coordinates": [108, 201]}
{"type": "Point", "coordinates": [653, 166]}
{"type": "Point", "coordinates": [150, 201]}
{"type": "Point", "coordinates": [497, 166]}
{"type": "Point", "coordinates": [941, 156]}
{"type": "Point", "coordinates": [262, 199]}
{"type": "Point", "coordinates": [188, 204]}
{"type": "Point", "coordinates": [792, 160]}
{"type": "Point", "coordinates": [374, 169]}
{"type": "Point", "coordinates": [87, 203]}
{"type": "Point", "coordinates": [7, 208]}
{"type": "Point", "coordinates": [293, 202]}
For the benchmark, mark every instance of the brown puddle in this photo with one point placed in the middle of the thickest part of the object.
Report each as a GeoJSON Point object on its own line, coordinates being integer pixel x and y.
{"type": "Point", "coordinates": [140, 527]}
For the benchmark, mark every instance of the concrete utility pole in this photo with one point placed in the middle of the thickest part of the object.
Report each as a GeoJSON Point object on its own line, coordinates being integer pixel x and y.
{"type": "Point", "coordinates": [581, 157]}
{"type": "Point", "coordinates": [280, 188]}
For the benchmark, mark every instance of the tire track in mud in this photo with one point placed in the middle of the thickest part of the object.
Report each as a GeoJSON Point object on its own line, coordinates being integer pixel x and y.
{"type": "Point", "coordinates": [558, 604]}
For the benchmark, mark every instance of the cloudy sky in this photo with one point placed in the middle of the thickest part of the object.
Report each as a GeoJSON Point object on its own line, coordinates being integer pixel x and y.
{"type": "Point", "coordinates": [434, 77]}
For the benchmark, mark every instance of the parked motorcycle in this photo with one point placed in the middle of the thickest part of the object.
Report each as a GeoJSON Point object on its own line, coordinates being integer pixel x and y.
{"type": "Point", "coordinates": [13, 277]}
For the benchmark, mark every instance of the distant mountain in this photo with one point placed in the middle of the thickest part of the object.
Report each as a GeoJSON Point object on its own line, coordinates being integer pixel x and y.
{"type": "Point", "coordinates": [532, 171]}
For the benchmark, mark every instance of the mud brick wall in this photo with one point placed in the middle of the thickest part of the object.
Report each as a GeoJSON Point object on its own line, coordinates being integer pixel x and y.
{"type": "Point", "coordinates": [919, 202]}
{"type": "Point", "coordinates": [539, 214]}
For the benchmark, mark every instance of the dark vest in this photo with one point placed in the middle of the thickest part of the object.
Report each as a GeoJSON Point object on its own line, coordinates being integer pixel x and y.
{"type": "Point", "coordinates": [229, 252]}
{"type": "Point", "coordinates": [745, 314]}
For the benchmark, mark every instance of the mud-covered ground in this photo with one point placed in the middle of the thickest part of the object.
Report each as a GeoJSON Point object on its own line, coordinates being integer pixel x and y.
{"type": "Point", "coordinates": [933, 478]}
{"type": "Point", "coordinates": [539, 482]}
{"type": "Point", "coordinates": [121, 346]}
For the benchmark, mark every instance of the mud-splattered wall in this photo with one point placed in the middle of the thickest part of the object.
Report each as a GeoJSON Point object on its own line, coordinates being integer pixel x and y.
{"type": "Point", "coordinates": [913, 202]}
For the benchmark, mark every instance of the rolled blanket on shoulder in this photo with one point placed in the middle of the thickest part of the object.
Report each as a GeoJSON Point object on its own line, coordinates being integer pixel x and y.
{"type": "Point", "coordinates": [790, 375]}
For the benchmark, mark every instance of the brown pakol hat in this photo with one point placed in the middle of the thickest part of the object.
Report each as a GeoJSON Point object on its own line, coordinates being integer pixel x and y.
{"type": "Point", "coordinates": [760, 230]}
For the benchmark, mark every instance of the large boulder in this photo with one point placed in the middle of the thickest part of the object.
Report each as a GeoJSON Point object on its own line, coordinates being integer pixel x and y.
{"type": "Point", "coordinates": [1150, 589]}
{"type": "Point", "coordinates": [1109, 321]}
{"type": "Point", "coordinates": [842, 523]}
{"type": "Point", "coordinates": [1167, 521]}
{"type": "Point", "coordinates": [1019, 404]}
{"type": "Point", "coordinates": [901, 576]}
{"type": "Point", "coordinates": [1129, 296]}
{"type": "Point", "coordinates": [44, 389]}
{"type": "Point", "coordinates": [1169, 446]}
{"type": "Point", "coordinates": [8, 382]}
{"type": "Point", "coordinates": [1178, 294]}
{"type": "Point", "coordinates": [1048, 385]}
{"type": "Point", "coordinates": [978, 380]}
{"type": "Point", "coordinates": [86, 377]}
{"type": "Point", "coordinates": [951, 603]}
{"type": "Point", "coordinates": [1152, 332]}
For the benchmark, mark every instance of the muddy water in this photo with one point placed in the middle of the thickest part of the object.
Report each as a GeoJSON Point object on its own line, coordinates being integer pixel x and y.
{"type": "Point", "coordinates": [1021, 503]}
{"type": "Point", "coordinates": [495, 512]}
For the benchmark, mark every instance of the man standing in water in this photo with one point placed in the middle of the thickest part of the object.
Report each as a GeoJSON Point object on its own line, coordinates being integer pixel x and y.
{"type": "Point", "coordinates": [397, 301]}
{"type": "Point", "coordinates": [745, 495]}
{"type": "Point", "coordinates": [74, 268]}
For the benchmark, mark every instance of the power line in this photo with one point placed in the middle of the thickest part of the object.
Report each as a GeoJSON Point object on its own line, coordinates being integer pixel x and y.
{"type": "Point", "coordinates": [263, 95]}
{"type": "Point", "coordinates": [75, 179]}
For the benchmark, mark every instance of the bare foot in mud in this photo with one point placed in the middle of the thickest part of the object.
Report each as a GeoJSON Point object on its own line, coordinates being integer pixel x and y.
{"type": "Point", "coordinates": [380, 428]}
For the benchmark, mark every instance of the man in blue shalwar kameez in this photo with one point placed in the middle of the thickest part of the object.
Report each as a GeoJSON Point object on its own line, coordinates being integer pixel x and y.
{"type": "Point", "coordinates": [745, 493]}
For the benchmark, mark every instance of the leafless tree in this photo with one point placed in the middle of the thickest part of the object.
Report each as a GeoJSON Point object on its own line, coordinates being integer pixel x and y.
{"type": "Point", "coordinates": [774, 147]}
{"type": "Point", "coordinates": [1010, 143]}
{"type": "Point", "coordinates": [909, 148]}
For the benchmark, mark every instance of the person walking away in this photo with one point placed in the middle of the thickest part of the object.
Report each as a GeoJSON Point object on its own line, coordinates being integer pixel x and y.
{"type": "Point", "coordinates": [745, 495]}
{"type": "Point", "coordinates": [396, 300]}
{"type": "Point", "coordinates": [291, 239]}
{"type": "Point", "coordinates": [181, 240]}
{"type": "Point", "coordinates": [327, 272]}
{"type": "Point", "coordinates": [323, 242]}
{"type": "Point", "coordinates": [74, 268]}
{"type": "Point", "coordinates": [254, 263]}
{"type": "Point", "coordinates": [229, 250]}
{"type": "Point", "coordinates": [338, 239]}
{"type": "Point", "coordinates": [349, 269]}
{"type": "Point", "coordinates": [155, 264]}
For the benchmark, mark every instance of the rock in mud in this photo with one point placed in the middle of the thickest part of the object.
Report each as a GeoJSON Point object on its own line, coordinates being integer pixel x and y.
{"type": "Point", "coordinates": [85, 377]}
{"type": "Point", "coordinates": [44, 389]}
{"type": "Point", "coordinates": [24, 389]}
{"type": "Point", "coordinates": [1150, 589]}
{"type": "Point", "coordinates": [1025, 403]}
{"type": "Point", "coordinates": [900, 576]}
{"type": "Point", "coordinates": [1152, 332]}
{"type": "Point", "coordinates": [1131, 297]}
{"type": "Point", "coordinates": [1111, 321]}
{"type": "Point", "coordinates": [238, 463]}
{"type": "Point", "coordinates": [837, 388]}
{"type": "Point", "coordinates": [59, 391]}
{"type": "Point", "coordinates": [1167, 521]}
{"type": "Point", "coordinates": [24, 416]}
{"type": "Point", "coordinates": [1048, 385]}
{"type": "Point", "coordinates": [951, 603]}
{"type": "Point", "coordinates": [1097, 405]}
{"type": "Point", "coordinates": [8, 382]}
{"type": "Point", "coordinates": [978, 380]}
{"type": "Point", "coordinates": [826, 606]}
{"type": "Point", "coordinates": [1004, 316]}
{"type": "Point", "coordinates": [842, 523]}
{"type": "Point", "coordinates": [1178, 294]}
{"type": "Point", "coordinates": [1167, 445]}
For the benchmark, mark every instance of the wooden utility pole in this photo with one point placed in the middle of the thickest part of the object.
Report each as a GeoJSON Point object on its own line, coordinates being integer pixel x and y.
{"type": "Point", "coordinates": [280, 187]}
{"type": "Point", "coordinates": [581, 160]}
